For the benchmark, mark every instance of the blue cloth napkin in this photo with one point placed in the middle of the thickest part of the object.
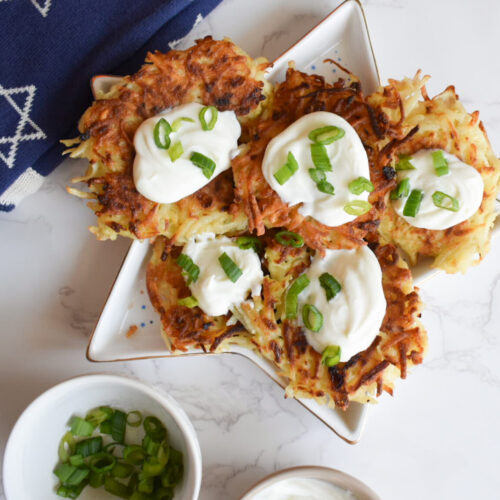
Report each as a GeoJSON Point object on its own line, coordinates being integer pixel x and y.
{"type": "Point", "coordinates": [49, 50]}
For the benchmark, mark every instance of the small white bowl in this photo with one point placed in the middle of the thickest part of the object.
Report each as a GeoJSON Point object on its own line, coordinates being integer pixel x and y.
{"type": "Point", "coordinates": [32, 449]}
{"type": "Point", "coordinates": [333, 476]}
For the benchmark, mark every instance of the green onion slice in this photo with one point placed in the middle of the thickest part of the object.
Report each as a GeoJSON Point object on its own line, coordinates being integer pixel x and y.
{"type": "Point", "coordinates": [105, 427]}
{"type": "Point", "coordinates": [190, 302]}
{"type": "Point", "coordinates": [404, 163]}
{"type": "Point", "coordinates": [118, 425]}
{"type": "Point", "coordinates": [146, 485]}
{"type": "Point", "coordinates": [134, 418]}
{"type": "Point", "coordinates": [443, 200]}
{"type": "Point", "coordinates": [312, 318]}
{"type": "Point", "coordinates": [289, 239]}
{"type": "Point", "coordinates": [287, 170]}
{"type": "Point", "coordinates": [320, 158]}
{"type": "Point", "coordinates": [134, 454]}
{"type": "Point", "coordinates": [176, 124]}
{"type": "Point", "coordinates": [412, 205]}
{"type": "Point", "coordinates": [80, 427]}
{"type": "Point", "coordinates": [206, 164]}
{"type": "Point", "coordinates": [96, 480]}
{"type": "Point", "coordinates": [161, 133]}
{"type": "Point", "coordinates": [357, 207]}
{"type": "Point", "coordinates": [331, 286]}
{"type": "Point", "coordinates": [357, 186]}
{"type": "Point", "coordinates": [317, 175]}
{"type": "Point", "coordinates": [116, 488]}
{"type": "Point", "coordinates": [154, 429]}
{"type": "Point", "coordinates": [191, 270]}
{"type": "Point", "coordinates": [110, 447]}
{"type": "Point", "coordinates": [99, 415]}
{"type": "Point", "coordinates": [66, 447]}
{"type": "Point", "coordinates": [292, 296]}
{"type": "Point", "coordinates": [440, 163]}
{"type": "Point", "coordinates": [325, 187]}
{"type": "Point", "coordinates": [176, 151]}
{"type": "Point", "coordinates": [326, 135]}
{"type": "Point", "coordinates": [76, 460]}
{"type": "Point", "coordinates": [249, 242]}
{"type": "Point", "coordinates": [213, 120]}
{"type": "Point", "coordinates": [233, 272]}
{"type": "Point", "coordinates": [331, 355]}
{"type": "Point", "coordinates": [150, 445]}
{"type": "Point", "coordinates": [102, 462]}
{"type": "Point", "coordinates": [89, 447]}
{"type": "Point", "coordinates": [122, 470]}
{"type": "Point", "coordinates": [402, 189]}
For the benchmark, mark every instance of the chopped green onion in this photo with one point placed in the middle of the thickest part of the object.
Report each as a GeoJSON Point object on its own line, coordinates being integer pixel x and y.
{"type": "Point", "coordinates": [64, 471]}
{"type": "Point", "coordinates": [289, 239]}
{"type": "Point", "coordinates": [89, 447]}
{"type": "Point", "coordinates": [402, 189]}
{"type": "Point", "coordinates": [80, 427]}
{"type": "Point", "coordinates": [357, 207]}
{"type": "Point", "coordinates": [320, 158]}
{"type": "Point", "coordinates": [122, 470]}
{"type": "Point", "coordinates": [211, 124]}
{"type": "Point", "coordinates": [412, 205]}
{"type": "Point", "coordinates": [404, 163]}
{"type": "Point", "coordinates": [325, 187]}
{"type": "Point", "coordinates": [96, 479]}
{"type": "Point", "coordinates": [175, 469]}
{"type": "Point", "coordinates": [70, 475]}
{"type": "Point", "coordinates": [116, 488]}
{"type": "Point", "coordinates": [206, 164]}
{"type": "Point", "coordinates": [190, 302]}
{"type": "Point", "coordinates": [134, 454]}
{"type": "Point", "coordinates": [154, 429]}
{"type": "Point", "coordinates": [326, 135]}
{"type": "Point", "coordinates": [331, 286]}
{"type": "Point", "coordinates": [161, 133]}
{"type": "Point", "coordinates": [287, 170]}
{"type": "Point", "coordinates": [118, 425]}
{"type": "Point", "coordinates": [153, 466]}
{"type": "Point", "coordinates": [317, 175]}
{"type": "Point", "coordinates": [443, 200]}
{"type": "Point", "coordinates": [134, 418]}
{"type": "Point", "coordinates": [110, 447]}
{"type": "Point", "coordinates": [440, 163]}
{"type": "Point", "coordinates": [176, 124]}
{"type": "Point", "coordinates": [150, 445]}
{"type": "Point", "coordinates": [249, 242]}
{"type": "Point", "coordinates": [191, 270]}
{"type": "Point", "coordinates": [164, 493]}
{"type": "Point", "coordinates": [292, 296]}
{"type": "Point", "coordinates": [105, 427]}
{"type": "Point", "coordinates": [176, 151]}
{"type": "Point", "coordinates": [331, 355]}
{"type": "Point", "coordinates": [76, 460]}
{"type": "Point", "coordinates": [99, 415]}
{"type": "Point", "coordinates": [66, 447]}
{"type": "Point", "coordinates": [357, 186]}
{"type": "Point", "coordinates": [102, 462]}
{"type": "Point", "coordinates": [146, 484]}
{"type": "Point", "coordinates": [233, 272]}
{"type": "Point", "coordinates": [312, 318]}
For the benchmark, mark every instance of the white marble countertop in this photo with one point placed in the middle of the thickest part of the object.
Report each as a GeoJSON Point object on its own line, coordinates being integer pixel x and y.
{"type": "Point", "coordinates": [438, 437]}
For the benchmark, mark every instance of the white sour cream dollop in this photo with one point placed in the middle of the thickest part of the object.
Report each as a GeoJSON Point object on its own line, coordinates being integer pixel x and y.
{"type": "Point", "coordinates": [462, 182]}
{"type": "Point", "coordinates": [215, 292]}
{"type": "Point", "coordinates": [160, 179]}
{"type": "Point", "coordinates": [304, 489]}
{"type": "Point", "coordinates": [347, 157]}
{"type": "Point", "coordinates": [353, 317]}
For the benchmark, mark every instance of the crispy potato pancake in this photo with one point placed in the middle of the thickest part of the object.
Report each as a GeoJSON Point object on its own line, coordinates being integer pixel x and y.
{"type": "Point", "coordinates": [261, 326]}
{"type": "Point", "coordinates": [415, 121]}
{"type": "Point", "coordinates": [297, 96]}
{"type": "Point", "coordinates": [212, 72]}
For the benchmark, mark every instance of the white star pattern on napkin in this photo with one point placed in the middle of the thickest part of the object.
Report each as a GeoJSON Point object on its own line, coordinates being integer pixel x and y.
{"type": "Point", "coordinates": [26, 129]}
{"type": "Point", "coordinates": [43, 9]}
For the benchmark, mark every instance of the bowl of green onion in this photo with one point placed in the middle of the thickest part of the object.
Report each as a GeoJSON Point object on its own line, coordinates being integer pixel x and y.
{"type": "Point", "coordinates": [102, 437]}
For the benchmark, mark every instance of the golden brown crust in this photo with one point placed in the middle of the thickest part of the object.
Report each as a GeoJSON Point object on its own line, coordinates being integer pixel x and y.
{"type": "Point", "coordinates": [297, 96]}
{"type": "Point", "coordinates": [212, 72]}
{"type": "Point", "coordinates": [417, 122]}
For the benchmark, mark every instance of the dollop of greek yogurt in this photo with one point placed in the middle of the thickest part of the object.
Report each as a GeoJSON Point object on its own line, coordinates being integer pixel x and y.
{"type": "Point", "coordinates": [462, 182]}
{"type": "Point", "coordinates": [353, 317]}
{"type": "Point", "coordinates": [304, 489]}
{"type": "Point", "coordinates": [215, 292]}
{"type": "Point", "coordinates": [162, 180]}
{"type": "Point", "coordinates": [347, 157]}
